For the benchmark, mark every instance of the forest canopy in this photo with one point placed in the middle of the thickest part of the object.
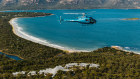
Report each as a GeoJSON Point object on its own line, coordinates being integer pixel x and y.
{"type": "Point", "coordinates": [114, 64]}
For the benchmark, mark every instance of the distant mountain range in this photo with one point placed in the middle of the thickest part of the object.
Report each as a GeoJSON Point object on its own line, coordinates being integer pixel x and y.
{"type": "Point", "coordinates": [68, 4]}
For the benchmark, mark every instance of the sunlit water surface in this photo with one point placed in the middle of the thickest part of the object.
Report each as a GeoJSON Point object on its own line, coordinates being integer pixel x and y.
{"type": "Point", "coordinates": [109, 30]}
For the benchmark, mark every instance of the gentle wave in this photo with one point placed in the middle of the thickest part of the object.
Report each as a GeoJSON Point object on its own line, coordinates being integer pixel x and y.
{"type": "Point", "coordinates": [127, 49]}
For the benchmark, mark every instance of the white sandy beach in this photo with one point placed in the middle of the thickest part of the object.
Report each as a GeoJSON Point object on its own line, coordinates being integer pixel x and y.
{"type": "Point", "coordinates": [19, 32]}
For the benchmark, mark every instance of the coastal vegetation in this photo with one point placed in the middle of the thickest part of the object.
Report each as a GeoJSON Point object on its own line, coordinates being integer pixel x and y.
{"type": "Point", "coordinates": [114, 64]}
{"type": "Point", "coordinates": [12, 44]}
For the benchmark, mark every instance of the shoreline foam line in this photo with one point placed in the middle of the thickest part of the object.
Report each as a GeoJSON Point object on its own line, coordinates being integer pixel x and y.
{"type": "Point", "coordinates": [19, 32]}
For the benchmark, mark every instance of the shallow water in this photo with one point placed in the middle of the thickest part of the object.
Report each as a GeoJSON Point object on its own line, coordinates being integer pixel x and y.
{"type": "Point", "coordinates": [109, 30]}
{"type": "Point", "coordinates": [11, 56]}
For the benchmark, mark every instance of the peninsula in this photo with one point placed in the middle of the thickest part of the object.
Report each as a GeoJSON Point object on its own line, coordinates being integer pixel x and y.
{"type": "Point", "coordinates": [131, 19]}
{"type": "Point", "coordinates": [112, 63]}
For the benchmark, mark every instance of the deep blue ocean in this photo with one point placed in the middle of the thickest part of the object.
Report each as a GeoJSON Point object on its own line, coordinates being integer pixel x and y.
{"type": "Point", "coordinates": [110, 29]}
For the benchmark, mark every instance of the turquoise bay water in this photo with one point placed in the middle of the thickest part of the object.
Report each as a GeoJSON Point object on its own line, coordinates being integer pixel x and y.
{"type": "Point", "coordinates": [109, 30]}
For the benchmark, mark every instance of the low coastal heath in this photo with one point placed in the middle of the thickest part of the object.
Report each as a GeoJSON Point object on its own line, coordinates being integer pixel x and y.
{"type": "Point", "coordinates": [19, 32]}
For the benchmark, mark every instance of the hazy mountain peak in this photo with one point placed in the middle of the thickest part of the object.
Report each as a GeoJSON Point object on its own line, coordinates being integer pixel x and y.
{"type": "Point", "coordinates": [73, 4]}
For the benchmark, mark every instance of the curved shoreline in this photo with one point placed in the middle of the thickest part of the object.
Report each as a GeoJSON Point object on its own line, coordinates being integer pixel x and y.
{"type": "Point", "coordinates": [18, 31]}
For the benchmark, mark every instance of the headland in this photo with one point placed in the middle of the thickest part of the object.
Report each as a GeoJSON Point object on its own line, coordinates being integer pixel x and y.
{"type": "Point", "coordinates": [131, 19]}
